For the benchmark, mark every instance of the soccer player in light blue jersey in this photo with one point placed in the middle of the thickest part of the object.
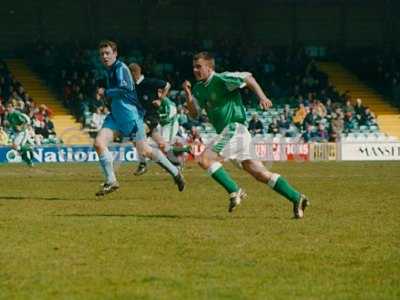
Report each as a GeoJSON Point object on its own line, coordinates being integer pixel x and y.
{"type": "Point", "coordinates": [125, 120]}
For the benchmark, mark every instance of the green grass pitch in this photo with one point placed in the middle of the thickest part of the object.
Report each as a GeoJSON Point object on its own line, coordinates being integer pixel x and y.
{"type": "Point", "coordinates": [148, 241]}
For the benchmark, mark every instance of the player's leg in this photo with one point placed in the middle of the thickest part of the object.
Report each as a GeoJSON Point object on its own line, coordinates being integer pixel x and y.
{"type": "Point", "coordinates": [164, 137]}
{"type": "Point", "coordinates": [212, 163]}
{"type": "Point", "coordinates": [142, 166]}
{"type": "Point", "coordinates": [157, 156]}
{"type": "Point", "coordinates": [220, 148]}
{"type": "Point", "coordinates": [278, 183]}
{"type": "Point", "coordinates": [103, 138]}
{"type": "Point", "coordinates": [148, 127]}
{"type": "Point", "coordinates": [20, 143]}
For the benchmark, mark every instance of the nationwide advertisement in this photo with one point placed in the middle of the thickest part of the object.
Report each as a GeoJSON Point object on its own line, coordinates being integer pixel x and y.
{"type": "Point", "coordinates": [63, 154]}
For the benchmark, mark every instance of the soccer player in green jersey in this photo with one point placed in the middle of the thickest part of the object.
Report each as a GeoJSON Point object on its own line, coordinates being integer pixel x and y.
{"type": "Point", "coordinates": [168, 118]}
{"type": "Point", "coordinates": [168, 129]}
{"type": "Point", "coordinates": [219, 95]}
{"type": "Point", "coordinates": [19, 123]}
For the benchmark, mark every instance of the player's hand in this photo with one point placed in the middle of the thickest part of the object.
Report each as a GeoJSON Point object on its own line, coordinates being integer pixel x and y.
{"type": "Point", "coordinates": [265, 103]}
{"type": "Point", "coordinates": [187, 87]}
{"type": "Point", "coordinates": [156, 102]}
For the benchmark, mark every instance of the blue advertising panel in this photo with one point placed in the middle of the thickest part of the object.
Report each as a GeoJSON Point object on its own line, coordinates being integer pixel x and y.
{"type": "Point", "coordinates": [62, 154]}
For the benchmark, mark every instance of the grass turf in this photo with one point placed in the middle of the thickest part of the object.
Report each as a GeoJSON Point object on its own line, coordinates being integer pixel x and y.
{"type": "Point", "coordinates": [148, 241]}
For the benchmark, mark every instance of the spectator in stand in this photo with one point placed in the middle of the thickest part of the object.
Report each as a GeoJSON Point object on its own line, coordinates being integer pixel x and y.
{"type": "Point", "coordinates": [312, 118]}
{"type": "Point", "coordinates": [288, 113]}
{"type": "Point", "coordinates": [329, 107]}
{"type": "Point", "coordinates": [350, 122]}
{"type": "Point", "coordinates": [38, 124]}
{"type": "Point", "coordinates": [368, 118]}
{"type": "Point", "coordinates": [4, 139]}
{"type": "Point", "coordinates": [48, 128]}
{"type": "Point", "coordinates": [359, 110]}
{"type": "Point", "coordinates": [321, 135]}
{"type": "Point", "coordinates": [299, 116]}
{"type": "Point", "coordinates": [43, 112]}
{"type": "Point", "coordinates": [319, 108]}
{"type": "Point", "coordinates": [337, 122]}
{"type": "Point", "coordinates": [348, 107]}
{"type": "Point", "coordinates": [308, 134]}
{"type": "Point", "coordinates": [284, 125]}
{"type": "Point", "coordinates": [273, 127]}
{"type": "Point", "coordinates": [255, 125]}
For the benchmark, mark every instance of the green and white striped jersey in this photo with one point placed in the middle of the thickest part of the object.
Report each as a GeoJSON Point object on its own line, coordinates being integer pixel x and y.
{"type": "Point", "coordinates": [17, 119]}
{"type": "Point", "coordinates": [167, 111]}
{"type": "Point", "coordinates": [220, 97]}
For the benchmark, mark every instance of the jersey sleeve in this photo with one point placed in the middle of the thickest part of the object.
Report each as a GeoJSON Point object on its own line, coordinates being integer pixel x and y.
{"type": "Point", "coordinates": [124, 83]}
{"type": "Point", "coordinates": [234, 80]}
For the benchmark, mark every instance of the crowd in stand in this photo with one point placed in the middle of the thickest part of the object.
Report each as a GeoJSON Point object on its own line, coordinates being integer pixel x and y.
{"type": "Point", "coordinates": [316, 121]}
{"type": "Point", "coordinates": [380, 68]}
{"type": "Point", "coordinates": [309, 106]}
{"type": "Point", "coordinates": [13, 95]}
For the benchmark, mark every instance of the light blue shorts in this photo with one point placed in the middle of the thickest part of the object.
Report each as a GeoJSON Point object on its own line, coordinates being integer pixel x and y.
{"type": "Point", "coordinates": [133, 129]}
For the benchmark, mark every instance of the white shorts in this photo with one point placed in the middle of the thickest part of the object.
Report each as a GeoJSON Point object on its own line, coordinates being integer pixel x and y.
{"type": "Point", "coordinates": [233, 143]}
{"type": "Point", "coordinates": [22, 137]}
{"type": "Point", "coordinates": [169, 131]}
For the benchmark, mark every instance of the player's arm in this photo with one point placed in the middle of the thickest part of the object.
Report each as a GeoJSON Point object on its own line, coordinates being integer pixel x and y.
{"type": "Point", "coordinates": [253, 85]}
{"type": "Point", "coordinates": [124, 84]}
{"type": "Point", "coordinates": [190, 100]}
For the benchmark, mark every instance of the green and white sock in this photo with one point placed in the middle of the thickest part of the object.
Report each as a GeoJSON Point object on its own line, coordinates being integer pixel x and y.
{"type": "Point", "coordinates": [218, 173]}
{"type": "Point", "coordinates": [281, 186]}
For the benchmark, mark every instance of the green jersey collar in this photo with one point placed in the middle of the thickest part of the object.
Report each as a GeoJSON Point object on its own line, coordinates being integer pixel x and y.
{"type": "Point", "coordinates": [207, 82]}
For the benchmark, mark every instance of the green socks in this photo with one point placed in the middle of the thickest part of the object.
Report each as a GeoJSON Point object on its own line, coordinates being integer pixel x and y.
{"type": "Point", "coordinates": [26, 154]}
{"type": "Point", "coordinates": [280, 185]}
{"type": "Point", "coordinates": [217, 171]}
{"type": "Point", "coordinates": [277, 182]}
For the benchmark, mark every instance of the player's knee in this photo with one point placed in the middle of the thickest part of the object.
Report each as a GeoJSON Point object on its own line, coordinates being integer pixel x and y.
{"type": "Point", "coordinates": [144, 150]}
{"type": "Point", "coordinates": [204, 162]}
{"type": "Point", "coordinates": [99, 145]}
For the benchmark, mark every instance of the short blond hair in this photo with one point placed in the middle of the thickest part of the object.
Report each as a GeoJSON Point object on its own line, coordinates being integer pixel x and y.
{"type": "Point", "coordinates": [207, 56]}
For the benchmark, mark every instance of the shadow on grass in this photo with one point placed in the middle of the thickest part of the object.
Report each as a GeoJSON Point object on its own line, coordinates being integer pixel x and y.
{"type": "Point", "coordinates": [157, 216]}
